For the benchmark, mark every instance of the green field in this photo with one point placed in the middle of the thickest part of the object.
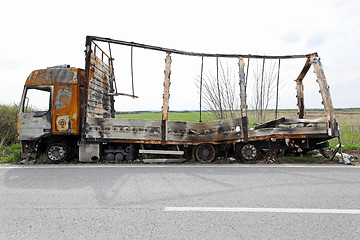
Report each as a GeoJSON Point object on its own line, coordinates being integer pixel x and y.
{"type": "Point", "coordinates": [349, 121]}
{"type": "Point", "coordinates": [173, 116]}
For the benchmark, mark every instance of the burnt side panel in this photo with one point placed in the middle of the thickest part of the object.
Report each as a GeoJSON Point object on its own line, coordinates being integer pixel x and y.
{"type": "Point", "coordinates": [98, 100]}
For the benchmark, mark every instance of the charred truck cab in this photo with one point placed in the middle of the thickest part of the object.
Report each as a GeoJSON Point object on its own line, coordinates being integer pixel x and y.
{"type": "Point", "coordinates": [50, 112]}
{"type": "Point", "coordinates": [66, 111]}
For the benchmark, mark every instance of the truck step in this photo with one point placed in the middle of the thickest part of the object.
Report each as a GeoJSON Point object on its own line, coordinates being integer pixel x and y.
{"type": "Point", "coordinates": [165, 152]}
{"type": "Point", "coordinates": [165, 160]}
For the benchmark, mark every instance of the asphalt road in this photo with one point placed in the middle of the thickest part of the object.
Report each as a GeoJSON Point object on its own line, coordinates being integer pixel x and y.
{"type": "Point", "coordinates": [179, 202]}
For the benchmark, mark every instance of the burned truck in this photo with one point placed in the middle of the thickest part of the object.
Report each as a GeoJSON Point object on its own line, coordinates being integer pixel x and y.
{"type": "Point", "coordinates": [77, 117]}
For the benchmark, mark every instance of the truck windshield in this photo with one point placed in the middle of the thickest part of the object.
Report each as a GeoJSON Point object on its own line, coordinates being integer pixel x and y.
{"type": "Point", "coordinates": [37, 100]}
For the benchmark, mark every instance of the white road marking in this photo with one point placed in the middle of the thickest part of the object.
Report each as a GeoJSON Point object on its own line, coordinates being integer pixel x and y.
{"type": "Point", "coordinates": [262, 210]}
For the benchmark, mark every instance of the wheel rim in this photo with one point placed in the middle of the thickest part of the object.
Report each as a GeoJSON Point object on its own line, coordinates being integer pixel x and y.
{"type": "Point", "coordinates": [56, 153]}
{"type": "Point", "coordinates": [248, 152]}
{"type": "Point", "coordinates": [205, 153]}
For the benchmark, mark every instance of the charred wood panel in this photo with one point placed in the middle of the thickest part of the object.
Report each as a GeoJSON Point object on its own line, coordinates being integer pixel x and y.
{"type": "Point", "coordinates": [98, 101]}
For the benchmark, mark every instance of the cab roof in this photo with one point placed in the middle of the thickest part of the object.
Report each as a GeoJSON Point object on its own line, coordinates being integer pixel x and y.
{"type": "Point", "coordinates": [57, 75]}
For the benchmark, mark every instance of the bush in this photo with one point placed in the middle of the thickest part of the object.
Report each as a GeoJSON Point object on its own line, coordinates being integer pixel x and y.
{"type": "Point", "coordinates": [350, 137]}
{"type": "Point", "coordinates": [10, 154]}
{"type": "Point", "coordinates": [8, 124]}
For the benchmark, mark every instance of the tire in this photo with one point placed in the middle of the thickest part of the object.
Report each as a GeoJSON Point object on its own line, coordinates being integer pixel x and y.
{"type": "Point", "coordinates": [57, 152]}
{"type": "Point", "coordinates": [204, 153]}
{"type": "Point", "coordinates": [247, 152]}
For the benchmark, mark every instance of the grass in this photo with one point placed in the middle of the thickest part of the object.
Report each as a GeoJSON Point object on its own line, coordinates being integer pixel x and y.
{"type": "Point", "coordinates": [350, 137]}
{"type": "Point", "coordinates": [173, 116]}
{"type": "Point", "coordinates": [10, 154]}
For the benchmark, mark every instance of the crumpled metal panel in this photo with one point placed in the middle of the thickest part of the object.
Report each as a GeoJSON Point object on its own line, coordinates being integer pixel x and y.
{"type": "Point", "coordinates": [287, 132]}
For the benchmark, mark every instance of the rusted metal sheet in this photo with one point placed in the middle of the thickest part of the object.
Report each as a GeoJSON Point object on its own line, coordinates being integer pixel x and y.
{"type": "Point", "coordinates": [56, 76]}
{"type": "Point", "coordinates": [66, 110]}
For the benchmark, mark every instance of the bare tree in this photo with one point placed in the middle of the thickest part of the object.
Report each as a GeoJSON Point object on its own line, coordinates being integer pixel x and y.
{"type": "Point", "coordinates": [219, 94]}
{"type": "Point", "coordinates": [263, 88]}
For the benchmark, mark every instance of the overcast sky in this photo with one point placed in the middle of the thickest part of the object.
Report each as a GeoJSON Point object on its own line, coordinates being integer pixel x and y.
{"type": "Point", "coordinates": [39, 34]}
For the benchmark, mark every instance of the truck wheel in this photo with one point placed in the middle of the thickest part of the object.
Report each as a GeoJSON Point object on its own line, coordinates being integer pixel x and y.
{"type": "Point", "coordinates": [247, 152]}
{"type": "Point", "coordinates": [57, 152]}
{"type": "Point", "coordinates": [204, 153]}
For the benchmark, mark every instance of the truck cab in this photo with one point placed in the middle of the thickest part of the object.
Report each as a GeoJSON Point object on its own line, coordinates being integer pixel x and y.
{"type": "Point", "coordinates": [50, 112]}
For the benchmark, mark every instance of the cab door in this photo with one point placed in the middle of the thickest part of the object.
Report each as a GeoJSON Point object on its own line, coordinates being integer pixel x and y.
{"type": "Point", "coordinates": [34, 119]}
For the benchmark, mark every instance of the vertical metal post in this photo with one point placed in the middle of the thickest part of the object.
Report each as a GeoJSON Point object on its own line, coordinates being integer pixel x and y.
{"type": "Point", "coordinates": [247, 72]}
{"type": "Point", "coordinates": [243, 107]}
{"type": "Point", "coordinates": [261, 91]}
{"type": "Point", "coordinates": [112, 82]}
{"type": "Point", "coordinates": [218, 85]}
{"type": "Point", "coordinates": [166, 96]}
{"type": "Point", "coordinates": [325, 94]}
{"type": "Point", "coordinates": [277, 90]}
{"type": "Point", "coordinates": [84, 96]}
{"type": "Point", "coordinates": [300, 98]}
{"type": "Point", "coordinates": [132, 73]}
{"type": "Point", "coordinates": [300, 89]}
{"type": "Point", "coordinates": [201, 75]}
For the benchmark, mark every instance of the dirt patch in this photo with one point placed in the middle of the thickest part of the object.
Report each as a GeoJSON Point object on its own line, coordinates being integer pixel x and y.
{"type": "Point", "coordinates": [355, 153]}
